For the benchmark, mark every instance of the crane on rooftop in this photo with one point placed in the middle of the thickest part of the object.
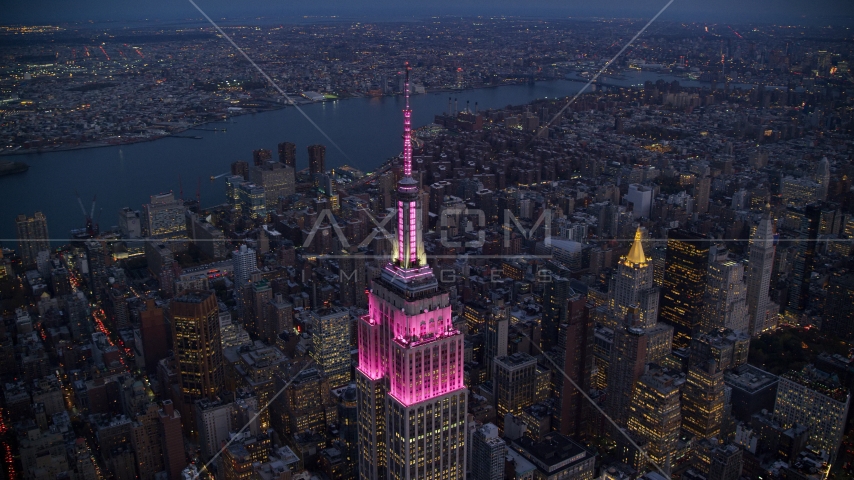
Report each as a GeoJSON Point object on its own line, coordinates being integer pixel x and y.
{"type": "Point", "coordinates": [91, 229]}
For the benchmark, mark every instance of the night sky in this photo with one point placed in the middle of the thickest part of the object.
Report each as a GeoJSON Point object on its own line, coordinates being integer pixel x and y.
{"type": "Point", "coordinates": [815, 12]}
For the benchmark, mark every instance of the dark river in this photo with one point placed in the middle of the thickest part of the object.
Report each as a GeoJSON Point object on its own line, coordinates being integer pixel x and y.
{"type": "Point", "coordinates": [368, 130]}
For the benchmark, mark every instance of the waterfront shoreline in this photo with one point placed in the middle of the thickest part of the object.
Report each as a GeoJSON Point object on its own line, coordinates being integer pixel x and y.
{"type": "Point", "coordinates": [132, 141]}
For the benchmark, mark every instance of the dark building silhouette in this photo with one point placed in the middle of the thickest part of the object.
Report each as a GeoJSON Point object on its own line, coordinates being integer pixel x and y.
{"type": "Point", "coordinates": [155, 336]}
{"type": "Point", "coordinates": [316, 159]}
{"type": "Point", "coordinates": [352, 281]}
{"type": "Point", "coordinates": [839, 307]}
{"type": "Point", "coordinates": [98, 259]}
{"type": "Point", "coordinates": [438, 191]}
{"type": "Point", "coordinates": [628, 361]}
{"type": "Point", "coordinates": [32, 237]}
{"type": "Point", "coordinates": [484, 201]}
{"type": "Point", "coordinates": [288, 154]}
{"type": "Point", "coordinates": [240, 168]}
{"type": "Point", "coordinates": [261, 156]}
{"type": "Point", "coordinates": [752, 391]}
{"type": "Point", "coordinates": [174, 455]}
{"type": "Point", "coordinates": [799, 290]}
{"type": "Point", "coordinates": [555, 294]}
{"type": "Point", "coordinates": [575, 343]}
{"type": "Point", "coordinates": [348, 421]}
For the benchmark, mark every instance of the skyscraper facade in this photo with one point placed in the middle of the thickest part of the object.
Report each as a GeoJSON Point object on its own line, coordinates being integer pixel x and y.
{"type": "Point", "coordinates": [130, 223]}
{"type": "Point", "coordinates": [163, 218]}
{"type": "Point", "coordinates": [304, 404]}
{"type": "Point", "coordinates": [331, 343]}
{"type": "Point", "coordinates": [725, 463]}
{"type": "Point", "coordinates": [32, 236]}
{"type": "Point", "coordinates": [236, 462]}
{"type": "Point", "coordinates": [257, 318]}
{"type": "Point", "coordinates": [627, 363]}
{"type": "Point", "coordinates": [701, 194]}
{"type": "Point", "coordinates": [495, 337]}
{"type": "Point", "coordinates": [252, 200]}
{"type": "Point", "coordinates": [214, 420]}
{"type": "Point", "coordinates": [280, 319]}
{"type": "Point", "coordinates": [760, 267]}
{"type": "Point", "coordinates": [232, 190]}
{"type": "Point", "coordinates": [656, 411]}
{"type": "Point", "coordinates": [684, 284]}
{"type": "Point", "coordinates": [513, 383]}
{"type": "Point", "coordinates": [197, 345]}
{"type": "Point", "coordinates": [145, 439]}
{"type": "Point", "coordinates": [703, 399]}
{"type": "Point", "coordinates": [97, 256]}
{"type": "Point", "coordinates": [488, 454]}
{"type": "Point", "coordinates": [412, 400]}
{"type": "Point", "coordinates": [276, 178]}
{"type": "Point", "coordinates": [725, 300]}
{"type": "Point", "coordinates": [816, 399]}
{"type": "Point", "coordinates": [244, 263]}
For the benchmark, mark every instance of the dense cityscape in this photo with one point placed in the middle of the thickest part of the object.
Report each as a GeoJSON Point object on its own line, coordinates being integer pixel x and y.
{"type": "Point", "coordinates": [64, 87]}
{"type": "Point", "coordinates": [642, 281]}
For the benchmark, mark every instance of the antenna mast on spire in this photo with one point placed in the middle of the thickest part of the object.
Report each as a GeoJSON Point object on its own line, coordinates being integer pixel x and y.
{"type": "Point", "coordinates": [407, 128]}
{"type": "Point", "coordinates": [410, 249]}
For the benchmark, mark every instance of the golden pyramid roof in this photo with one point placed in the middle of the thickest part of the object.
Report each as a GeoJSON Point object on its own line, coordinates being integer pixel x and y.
{"type": "Point", "coordinates": [636, 255]}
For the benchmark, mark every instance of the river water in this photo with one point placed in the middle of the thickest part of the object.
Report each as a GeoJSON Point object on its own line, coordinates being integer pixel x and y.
{"type": "Point", "coordinates": [368, 131]}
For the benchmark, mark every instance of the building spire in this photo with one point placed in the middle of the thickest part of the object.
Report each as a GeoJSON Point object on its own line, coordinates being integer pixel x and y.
{"type": "Point", "coordinates": [409, 248]}
{"type": "Point", "coordinates": [636, 256]}
{"type": "Point", "coordinates": [407, 128]}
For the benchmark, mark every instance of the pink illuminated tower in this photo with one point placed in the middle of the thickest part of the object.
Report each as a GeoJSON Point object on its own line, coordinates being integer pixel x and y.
{"type": "Point", "coordinates": [412, 401]}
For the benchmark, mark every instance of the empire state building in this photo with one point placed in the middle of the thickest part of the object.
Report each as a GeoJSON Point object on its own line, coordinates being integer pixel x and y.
{"type": "Point", "coordinates": [411, 396]}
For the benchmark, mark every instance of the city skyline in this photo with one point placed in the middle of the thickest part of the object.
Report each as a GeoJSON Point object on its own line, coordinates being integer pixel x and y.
{"type": "Point", "coordinates": [730, 11]}
{"type": "Point", "coordinates": [491, 248]}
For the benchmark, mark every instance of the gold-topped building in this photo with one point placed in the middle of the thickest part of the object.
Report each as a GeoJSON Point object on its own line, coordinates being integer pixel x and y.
{"type": "Point", "coordinates": [633, 290]}
{"type": "Point", "coordinates": [634, 286]}
{"type": "Point", "coordinates": [636, 256]}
